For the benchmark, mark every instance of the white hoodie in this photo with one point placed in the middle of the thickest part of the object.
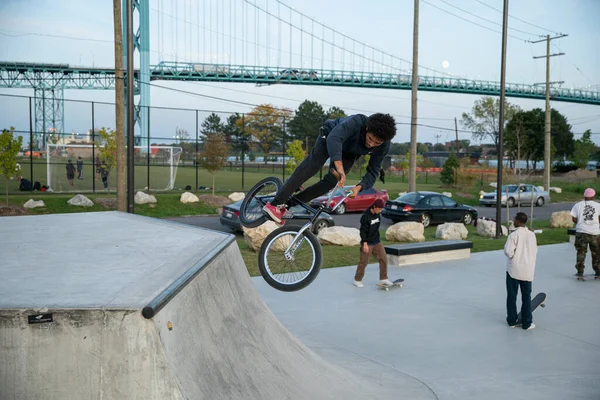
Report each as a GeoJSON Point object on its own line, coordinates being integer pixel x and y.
{"type": "Point", "coordinates": [521, 250]}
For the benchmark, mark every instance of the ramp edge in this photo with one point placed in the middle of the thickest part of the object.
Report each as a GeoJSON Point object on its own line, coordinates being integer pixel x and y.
{"type": "Point", "coordinates": [150, 310]}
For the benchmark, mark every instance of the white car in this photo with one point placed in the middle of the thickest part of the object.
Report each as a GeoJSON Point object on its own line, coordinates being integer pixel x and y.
{"type": "Point", "coordinates": [517, 194]}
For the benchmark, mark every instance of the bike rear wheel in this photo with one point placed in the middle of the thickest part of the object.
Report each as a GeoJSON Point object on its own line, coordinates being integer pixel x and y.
{"type": "Point", "coordinates": [296, 272]}
{"type": "Point", "coordinates": [251, 212]}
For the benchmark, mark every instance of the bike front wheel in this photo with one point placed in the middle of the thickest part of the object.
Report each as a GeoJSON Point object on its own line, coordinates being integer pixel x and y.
{"type": "Point", "coordinates": [251, 212]}
{"type": "Point", "coordinates": [288, 269]}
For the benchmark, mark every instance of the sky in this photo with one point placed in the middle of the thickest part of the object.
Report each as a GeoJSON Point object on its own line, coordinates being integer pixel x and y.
{"type": "Point", "coordinates": [80, 33]}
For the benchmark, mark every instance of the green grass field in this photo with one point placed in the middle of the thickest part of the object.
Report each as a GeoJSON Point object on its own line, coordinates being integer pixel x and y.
{"type": "Point", "coordinates": [339, 256]}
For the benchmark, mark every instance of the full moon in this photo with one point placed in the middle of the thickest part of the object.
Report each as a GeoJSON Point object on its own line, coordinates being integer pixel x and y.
{"type": "Point", "coordinates": [445, 64]}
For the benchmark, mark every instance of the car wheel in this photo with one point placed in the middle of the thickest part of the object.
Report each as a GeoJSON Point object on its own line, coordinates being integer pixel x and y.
{"type": "Point", "coordinates": [539, 202]}
{"type": "Point", "coordinates": [341, 209]}
{"type": "Point", "coordinates": [510, 202]}
{"type": "Point", "coordinates": [320, 225]}
{"type": "Point", "coordinates": [467, 218]}
{"type": "Point", "coordinates": [426, 219]}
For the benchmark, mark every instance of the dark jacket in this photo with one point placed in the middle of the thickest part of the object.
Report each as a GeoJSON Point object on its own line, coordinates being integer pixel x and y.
{"type": "Point", "coordinates": [369, 227]}
{"type": "Point", "coordinates": [347, 136]}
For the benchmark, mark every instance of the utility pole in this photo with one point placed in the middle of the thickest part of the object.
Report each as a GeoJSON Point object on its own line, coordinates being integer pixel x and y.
{"type": "Point", "coordinates": [130, 109]}
{"type": "Point", "coordinates": [501, 130]}
{"type": "Point", "coordinates": [412, 168]}
{"type": "Point", "coordinates": [547, 138]}
{"type": "Point", "coordinates": [120, 109]}
{"type": "Point", "coordinates": [456, 130]}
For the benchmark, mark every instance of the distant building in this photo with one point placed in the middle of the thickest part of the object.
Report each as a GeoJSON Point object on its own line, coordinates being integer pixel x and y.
{"type": "Point", "coordinates": [440, 157]}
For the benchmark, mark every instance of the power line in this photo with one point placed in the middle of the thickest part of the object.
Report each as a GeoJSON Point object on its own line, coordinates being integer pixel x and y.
{"type": "Point", "coordinates": [518, 19]}
{"type": "Point", "coordinates": [474, 23]}
{"type": "Point", "coordinates": [23, 34]}
{"type": "Point", "coordinates": [485, 19]}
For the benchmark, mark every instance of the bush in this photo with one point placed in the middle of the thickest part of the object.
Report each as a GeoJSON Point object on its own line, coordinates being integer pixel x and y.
{"type": "Point", "coordinates": [561, 167]}
{"type": "Point", "coordinates": [448, 174]}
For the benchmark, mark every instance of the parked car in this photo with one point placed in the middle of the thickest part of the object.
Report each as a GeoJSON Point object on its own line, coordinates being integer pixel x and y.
{"type": "Point", "coordinates": [230, 217]}
{"type": "Point", "coordinates": [517, 194]}
{"type": "Point", "coordinates": [428, 208]}
{"type": "Point", "coordinates": [361, 202]}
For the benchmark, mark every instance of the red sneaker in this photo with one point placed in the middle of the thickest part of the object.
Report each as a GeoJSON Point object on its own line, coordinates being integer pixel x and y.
{"type": "Point", "coordinates": [275, 212]}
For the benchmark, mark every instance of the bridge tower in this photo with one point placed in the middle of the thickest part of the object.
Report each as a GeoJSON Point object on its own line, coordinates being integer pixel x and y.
{"type": "Point", "coordinates": [141, 43]}
{"type": "Point", "coordinates": [49, 112]}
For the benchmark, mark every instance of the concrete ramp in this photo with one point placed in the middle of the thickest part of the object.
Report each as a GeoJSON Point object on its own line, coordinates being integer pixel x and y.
{"type": "Point", "coordinates": [115, 306]}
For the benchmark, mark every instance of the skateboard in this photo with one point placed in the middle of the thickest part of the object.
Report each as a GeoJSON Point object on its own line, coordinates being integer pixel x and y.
{"type": "Point", "coordinates": [582, 278]}
{"type": "Point", "coordinates": [397, 282]}
{"type": "Point", "coordinates": [537, 301]}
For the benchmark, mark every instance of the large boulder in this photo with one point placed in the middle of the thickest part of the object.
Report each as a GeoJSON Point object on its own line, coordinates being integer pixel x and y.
{"type": "Point", "coordinates": [81, 201]}
{"type": "Point", "coordinates": [448, 194]}
{"type": "Point", "coordinates": [487, 228]}
{"type": "Point", "coordinates": [340, 236]}
{"type": "Point", "coordinates": [188, 197]}
{"type": "Point", "coordinates": [144, 198]}
{"type": "Point", "coordinates": [406, 232]}
{"type": "Point", "coordinates": [236, 196]}
{"type": "Point", "coordinates": [555, 189]}
{"type": "Point", "coordinates": [451, 231]}
{"type": "Point", "coordinates": [255, 236]}
{"type": "Point", "coordinates": [31, 203]}
{"type": "Point", "coordinates": [561, 219]}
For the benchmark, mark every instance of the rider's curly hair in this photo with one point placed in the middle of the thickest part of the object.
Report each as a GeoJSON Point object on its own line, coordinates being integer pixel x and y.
{"type": "Point", "coordinates": [382, 125]}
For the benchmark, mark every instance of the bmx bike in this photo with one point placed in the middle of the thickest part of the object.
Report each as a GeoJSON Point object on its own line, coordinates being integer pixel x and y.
{"type": "Point", "coordinates": [290, 257]}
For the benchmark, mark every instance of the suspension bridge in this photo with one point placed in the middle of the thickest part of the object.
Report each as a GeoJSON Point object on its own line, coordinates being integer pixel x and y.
{"type": "Point", "coordinates": [246, 42]}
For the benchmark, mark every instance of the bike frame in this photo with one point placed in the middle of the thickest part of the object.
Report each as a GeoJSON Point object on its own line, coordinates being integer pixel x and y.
{"type": "Point", "coordinates": [291, 249]}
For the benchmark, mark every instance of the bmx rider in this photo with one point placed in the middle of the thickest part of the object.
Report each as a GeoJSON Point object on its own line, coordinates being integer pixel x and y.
{"type": "Point", "coordinates": [343, 141]}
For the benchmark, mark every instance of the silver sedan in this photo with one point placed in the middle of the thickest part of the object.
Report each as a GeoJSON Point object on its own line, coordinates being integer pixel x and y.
{"type": "Point", "coordinates": [517, 194]}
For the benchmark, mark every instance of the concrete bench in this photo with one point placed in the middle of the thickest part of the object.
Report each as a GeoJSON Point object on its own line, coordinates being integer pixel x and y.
{"type": "Point", "coordinates": [425, 252]}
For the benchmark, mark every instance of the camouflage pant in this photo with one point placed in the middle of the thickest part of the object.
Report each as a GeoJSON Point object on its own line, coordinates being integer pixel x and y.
{"type": "Point", "coordinates": [582, 241]}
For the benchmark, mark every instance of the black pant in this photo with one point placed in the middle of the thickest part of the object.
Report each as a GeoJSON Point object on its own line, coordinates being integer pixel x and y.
{"type": "Point", "coordinates": [512, 288]}
{"type": "Point", "coordinates": [307, 169]}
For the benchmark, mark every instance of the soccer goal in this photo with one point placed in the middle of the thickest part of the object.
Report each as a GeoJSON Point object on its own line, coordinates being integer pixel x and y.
{"type": "Point", "coordinates": [155, 168]}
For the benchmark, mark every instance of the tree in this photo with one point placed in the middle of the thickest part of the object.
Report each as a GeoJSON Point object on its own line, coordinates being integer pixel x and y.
{"type": "Point", "coordinates": [399, 148]}
{"type": "Point", "coordinates": [264, 124]}
{"type": "Point", "coordinates": [9, 148]}
{"type": "Point", "coordinates": [211, 125]}
{"type": "Point", "coordinates": [484, 118]}
{"type": "Point", "coordinates": [296, 154]}
{"type": "Point", "coordinates": [406, 163]}
{"type": "Point", "coordinates": [520, 140]}
{"type": "Point", "coordinates": [214, 155]}
{"type": "Point", "coordinates": [422, 148]}
{"type": "Point", "coordinates": [562, 137]}
{"type": "Point", "coordinates": [335, 112]}
{"type": "Point", "coordinates": [449, 172]}
{"type": "Point", "coordinates": [583, 148]}
{"type": "Point", "coordinates": [308, 119]}
{"type": "Point", "coordinates": [439, 147]}
{"type": "Point", "coordinates": [237, 137]}
{"type": "Point", "coordinates": [107, 147]}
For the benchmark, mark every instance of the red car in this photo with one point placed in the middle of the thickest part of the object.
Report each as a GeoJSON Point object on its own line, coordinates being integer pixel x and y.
{"type": "Point", "coordinates": [361, 202]}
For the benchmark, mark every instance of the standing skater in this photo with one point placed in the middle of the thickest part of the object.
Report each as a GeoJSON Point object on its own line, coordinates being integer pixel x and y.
{"type": "Point", "coordinates": [521, 250]}
{"type": "Point", "coordinates": [586, 214]}
{"type": "Point", "coordinates": [369, 243]}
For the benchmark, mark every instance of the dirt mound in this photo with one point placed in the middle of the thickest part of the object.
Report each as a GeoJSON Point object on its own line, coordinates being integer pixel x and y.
{"type": "Point", "coordinates": [214, 201]}
{"type": "Point", "coordinates": [10, 210]}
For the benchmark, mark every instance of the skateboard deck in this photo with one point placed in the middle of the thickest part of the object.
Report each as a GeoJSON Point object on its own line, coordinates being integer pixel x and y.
{"type": "Point", "coordinates": [397, 282]}
{"type": "Point", "coordinates": [537, 301]}
{"type": "Point", "coordinates": [583, 278]}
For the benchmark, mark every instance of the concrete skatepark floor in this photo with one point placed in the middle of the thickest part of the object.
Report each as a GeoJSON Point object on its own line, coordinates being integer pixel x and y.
{"type": "Point", "coordinates": [446, 327]}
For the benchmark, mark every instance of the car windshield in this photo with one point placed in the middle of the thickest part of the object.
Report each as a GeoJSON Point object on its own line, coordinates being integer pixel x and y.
{"type": "Point", "coordinates": [412, 197]}
{"type": "Point", "coordinates": [511, 188]}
